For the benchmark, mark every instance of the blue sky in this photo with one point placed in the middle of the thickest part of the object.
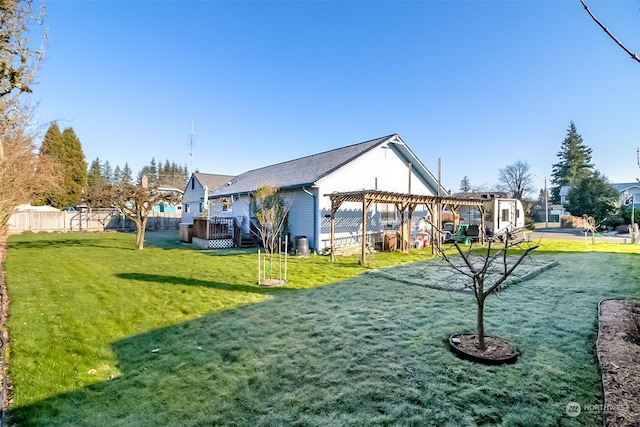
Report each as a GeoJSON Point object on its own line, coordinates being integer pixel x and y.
{"type": "Point", "coordinates": [479, 84]}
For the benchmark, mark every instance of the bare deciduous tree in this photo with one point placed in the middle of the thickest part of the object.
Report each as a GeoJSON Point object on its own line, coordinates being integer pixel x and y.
{"type": "Point", "coordinates": [271, 212]}
{"type": "Point", "coordinates": [516, 179]}
{"type": "Point", "coordinates": [487, 270]}
{"type": "Point", "coordinates": [135, 202]}
{"type": "Point", "coordinates": [23, 175]}
{"type": "Point", "coordinates": [22, 172]}
{"type": "Point", "coordinates": [634, 56]}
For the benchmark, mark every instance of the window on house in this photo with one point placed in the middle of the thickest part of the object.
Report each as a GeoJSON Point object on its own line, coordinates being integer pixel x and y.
{"type": "Point", "coordinates": [187, 209]}
{"type": "Point", "coordinates": [505, 214]}
{"type": "Point", "coordinates": [225, 205]}
{"type": "Point", "coordinates": [193, 183]}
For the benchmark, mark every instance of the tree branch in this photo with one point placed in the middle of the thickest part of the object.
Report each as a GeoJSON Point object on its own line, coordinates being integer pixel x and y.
{"type": "Point", "coordinates": [606, 30]}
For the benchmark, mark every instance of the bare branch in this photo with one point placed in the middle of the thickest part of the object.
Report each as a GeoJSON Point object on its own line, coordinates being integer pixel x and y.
{"type": "Point", "coordinates": [606, 30]}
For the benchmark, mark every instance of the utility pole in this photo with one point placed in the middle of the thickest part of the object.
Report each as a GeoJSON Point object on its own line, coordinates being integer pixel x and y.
{"type": "Point", "coordinates": [546, 201]}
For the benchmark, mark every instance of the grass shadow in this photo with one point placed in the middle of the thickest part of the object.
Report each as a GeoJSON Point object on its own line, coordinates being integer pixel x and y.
{"type": "Point", "coordinates": [174, 280]}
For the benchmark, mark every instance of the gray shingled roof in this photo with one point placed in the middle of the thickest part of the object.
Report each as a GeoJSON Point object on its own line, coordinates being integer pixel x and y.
{"type": "Point", "coordinates": [212, 180]}
{"type": "Point", "coordinates": [295, 173]}
{"type": "Point", "coordinates": [625, 185]}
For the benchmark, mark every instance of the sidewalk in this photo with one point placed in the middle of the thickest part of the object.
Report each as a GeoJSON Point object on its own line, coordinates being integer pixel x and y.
{"type": "Point", "coordinates": [575, 234]}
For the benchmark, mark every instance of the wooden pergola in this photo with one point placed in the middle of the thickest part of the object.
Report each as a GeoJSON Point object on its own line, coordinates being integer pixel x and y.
{"type": "Point", "coordinates": [403, 203]}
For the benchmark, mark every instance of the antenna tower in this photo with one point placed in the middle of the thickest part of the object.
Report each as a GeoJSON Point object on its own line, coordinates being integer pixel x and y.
{"type": "Point", "coordinates": [191, 147]}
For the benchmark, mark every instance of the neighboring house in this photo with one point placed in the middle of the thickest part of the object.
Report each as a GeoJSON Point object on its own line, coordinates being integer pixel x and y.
{"type": "Point", "coordinates": [168, 207]}
{"type": "Point", "coordinates": [383, 164]}
{"type": "Point", "coordinates": [564, 193]}
{"type": "Point", "coordinates": [629, 192]}
{"type": "Point", "coordinates": [196, 194]}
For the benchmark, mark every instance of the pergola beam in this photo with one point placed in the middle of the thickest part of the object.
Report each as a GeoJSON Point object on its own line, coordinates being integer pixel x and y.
{"type": "Point", "coordinates": [401, 200]}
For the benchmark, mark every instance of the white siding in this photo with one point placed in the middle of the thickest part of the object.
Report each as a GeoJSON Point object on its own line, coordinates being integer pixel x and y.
{"type": "Point", "coordinates": [193, 198]}
{"type": "Point", "coordinates": [379, 169]}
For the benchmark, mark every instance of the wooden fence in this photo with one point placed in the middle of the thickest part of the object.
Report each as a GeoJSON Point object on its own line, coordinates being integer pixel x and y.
{"type": "Point", "coordinates": [88, 220]}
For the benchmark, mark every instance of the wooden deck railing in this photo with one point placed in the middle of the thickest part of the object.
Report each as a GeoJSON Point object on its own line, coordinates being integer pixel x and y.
{"type": "Point", "coordinates": [214, 228]}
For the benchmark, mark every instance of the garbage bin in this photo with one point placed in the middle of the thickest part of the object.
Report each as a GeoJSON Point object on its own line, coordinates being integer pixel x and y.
{"type": "Point", "coordinates": [301, 245]}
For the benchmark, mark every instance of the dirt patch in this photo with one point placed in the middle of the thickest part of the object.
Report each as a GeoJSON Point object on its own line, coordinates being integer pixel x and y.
{"type": "Point", "coordinates": [619, 355]}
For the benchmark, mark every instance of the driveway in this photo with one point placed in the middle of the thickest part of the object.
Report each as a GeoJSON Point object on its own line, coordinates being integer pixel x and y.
{"type": "Point", "coordinates": [576, 233]}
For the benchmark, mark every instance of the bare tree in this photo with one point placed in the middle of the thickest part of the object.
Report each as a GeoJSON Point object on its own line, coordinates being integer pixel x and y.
{"type": "Point", "coordinates": [24, 176]}
{"type": "Point", "coordinates": [22, 172]}
{"type": "Point", "coordinates": [517, 179]}
{"type": "Point", "coordinates": [465, 184]}
{"type": "Point", "coordinates": [135, 202]}
{"type": "Point", "coordinates": [634, 56]}
{"type": "Point", "coordinates": [487, 270]}
{"type": "Point", "coordinates": [271, 212]}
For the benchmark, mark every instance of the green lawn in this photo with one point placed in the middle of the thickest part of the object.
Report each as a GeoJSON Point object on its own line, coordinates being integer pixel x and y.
{"type": "Point", "coordinates": [102, 334]}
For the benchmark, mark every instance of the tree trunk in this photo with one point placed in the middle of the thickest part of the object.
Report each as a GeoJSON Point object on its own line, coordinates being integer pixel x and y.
{"type": "Point", "coordinates": [480, 322]}
{"type": "Point", "coordinates": [140, 229]}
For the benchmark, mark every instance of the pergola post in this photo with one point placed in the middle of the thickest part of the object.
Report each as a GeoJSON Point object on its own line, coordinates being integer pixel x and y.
{"type": "Point", "coordinates": [411, 207]}
{"type": "Point", "coordinates": [366, 204]}
{"type": "Point", "coordinates": [335, 205]}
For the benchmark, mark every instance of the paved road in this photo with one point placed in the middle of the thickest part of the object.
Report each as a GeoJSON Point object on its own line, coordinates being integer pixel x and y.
{"type": "Point", "coordinates": [573, 233]}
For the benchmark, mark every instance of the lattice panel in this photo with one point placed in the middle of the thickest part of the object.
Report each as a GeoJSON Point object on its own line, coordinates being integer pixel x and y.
{"type": "Point", "coordinates": [221, 244]}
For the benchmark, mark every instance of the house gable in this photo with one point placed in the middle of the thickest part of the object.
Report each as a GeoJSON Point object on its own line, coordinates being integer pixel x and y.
{"type": "Point", "coordinates": [307, 171]}
{"type": "Point", "coordinates": [194, 193]}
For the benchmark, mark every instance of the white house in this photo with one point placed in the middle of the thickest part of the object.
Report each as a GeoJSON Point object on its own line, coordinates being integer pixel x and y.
{"type": "Point", "coordinates": [383, 164]}
{"type": "Point", "coordinates": [196, 193]}
{"type": "Point", "coordinates": [629, 193]}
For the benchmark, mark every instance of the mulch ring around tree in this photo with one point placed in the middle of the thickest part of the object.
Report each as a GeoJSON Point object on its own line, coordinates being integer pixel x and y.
{"type": "Point", "coordinates": [618, 348]}
{"type": "Point", "coordinates": [272, 282]}
{"type": "Point", "coordinates": [497, 351]}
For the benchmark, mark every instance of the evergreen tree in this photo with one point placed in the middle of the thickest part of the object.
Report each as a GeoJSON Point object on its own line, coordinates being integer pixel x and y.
{"type": "Point", "coordinates": [52, 143]}
{"type": "Point", "coordinates": [153, 171]}
{"type": "Point", "coordinates": [593, 196]}
{"type": "Point", "coordinates": [107, 172]}
{"type": "Point", "coordinates": [127, 174]}
{"type": "Point", "coordinates": [574, 165]}
{"type": "Point", "coordinates": [95, 180]}
{"type": "Point", "coordinates": [75, 167]}
{"type": "Point", "coordinates": [170, 174]}
{"type": "Point", "coordinates": [66, 150]}
{"type": "Point", "coordinates": [117, 175]}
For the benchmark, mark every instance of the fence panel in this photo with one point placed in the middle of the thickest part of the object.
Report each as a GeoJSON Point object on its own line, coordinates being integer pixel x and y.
{"type": "Point", "coordinates": [90, 220]}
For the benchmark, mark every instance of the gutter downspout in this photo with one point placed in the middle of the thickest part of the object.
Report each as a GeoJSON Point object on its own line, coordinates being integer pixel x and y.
{"type": "Point", "coordinates": [315, 219]}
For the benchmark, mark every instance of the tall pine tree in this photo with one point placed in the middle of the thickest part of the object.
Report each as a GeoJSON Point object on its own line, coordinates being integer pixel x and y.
{"type": "Point", "coordinates": [66, 149]}
{"type": "Point", "coordinates": [574, 165]}
{"type": "Point", "coordinates": [52, 143]}
{"type": "Point", "coordinates": [117, 175]}
{"type": "Point", "coordinates": [95, 180]}
{"type": "Point", "coordinates": [127, 175]}
{"type": "Point", "coordinates": [75, 166]}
